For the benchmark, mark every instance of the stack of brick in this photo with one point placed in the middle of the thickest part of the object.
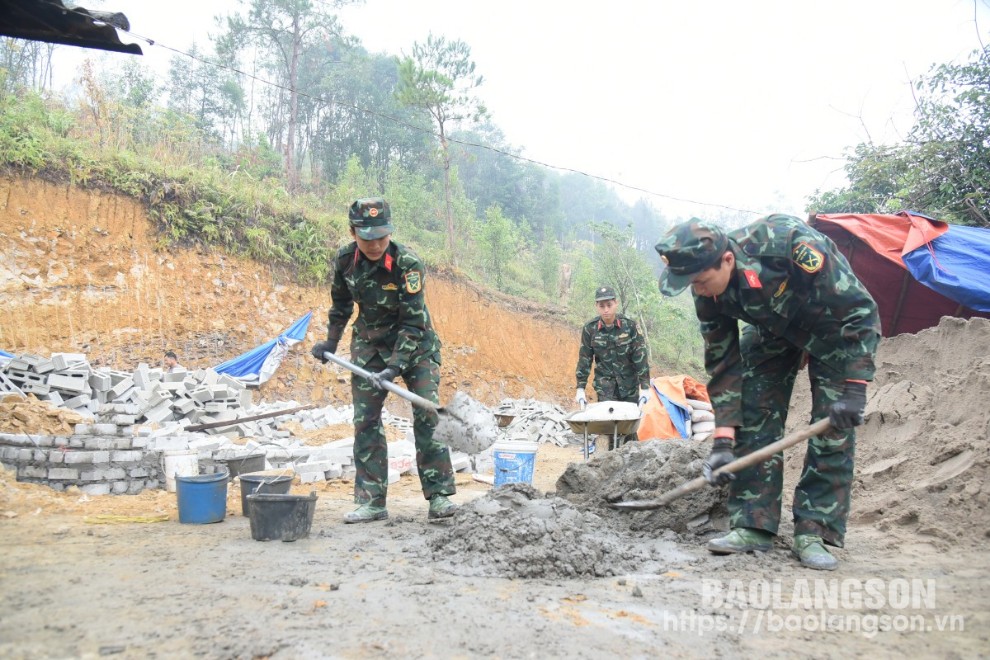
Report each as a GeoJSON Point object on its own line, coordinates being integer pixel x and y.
{"type": "Point", "coordinates": [145, 396]}
{"type": "Point", "coordinates": [536, 421]}
{"type": "Point", "coordinates": [100, 459]}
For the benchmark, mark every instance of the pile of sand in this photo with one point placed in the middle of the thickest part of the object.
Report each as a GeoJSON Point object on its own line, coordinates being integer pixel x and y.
{"type": "Point", "coordinates": [923, 456]}
{"type": "Point", "coordinates": [29, 415]}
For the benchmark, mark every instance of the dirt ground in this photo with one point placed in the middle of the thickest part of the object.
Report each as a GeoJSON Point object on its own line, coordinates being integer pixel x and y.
{"type": "Point", "coordinates": [516, 573]}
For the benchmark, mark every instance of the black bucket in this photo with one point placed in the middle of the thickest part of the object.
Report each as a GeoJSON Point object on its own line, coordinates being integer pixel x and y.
{"type": "Point", "coordinates": [262, 483]}
{"type": "Point", "coordinates": [277, 517]}
{"type": "Point", "coordinates": [244, 464]}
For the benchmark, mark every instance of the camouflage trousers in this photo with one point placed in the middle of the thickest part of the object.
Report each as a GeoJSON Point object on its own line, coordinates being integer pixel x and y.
{"type": "Point", "coordinates": [822, 495]}
{"type": "Point", "coordinates": [436, 475]}
{"type": "Point", "coordinates": [613, 389]}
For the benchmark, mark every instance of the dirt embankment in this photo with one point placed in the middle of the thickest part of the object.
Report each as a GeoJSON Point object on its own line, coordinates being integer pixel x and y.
{"type": "Point", "coordinates": [82, 271]}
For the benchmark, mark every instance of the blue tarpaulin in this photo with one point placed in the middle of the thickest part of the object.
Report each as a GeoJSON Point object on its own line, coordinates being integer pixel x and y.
{"type": "Point", "coordinates": [957, 265]}
{"type": "Point", "coordinates": [917, 269]}
{"type": "Point", "coordinates": [259, 364]}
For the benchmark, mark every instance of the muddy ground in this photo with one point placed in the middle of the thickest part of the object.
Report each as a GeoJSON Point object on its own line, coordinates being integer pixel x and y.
{"type": "Point", "coordinates": [76, 589]}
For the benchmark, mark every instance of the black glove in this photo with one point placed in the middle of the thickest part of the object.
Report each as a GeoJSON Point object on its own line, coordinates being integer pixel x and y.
{"type": "Point", "coordinates": [721, 455]}
{"type": "Point", "coordinates": [847, 412]}
{"type": "Point", "coordinates": [386, 374]}
{"type": "Point", "coordinates": [321, 347]}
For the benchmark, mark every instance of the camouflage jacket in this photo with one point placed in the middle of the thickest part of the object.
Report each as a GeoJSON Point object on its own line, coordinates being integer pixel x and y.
{"type": "Point", "coordinates": [393, 320]}
{"type": "Point", "coordinates": [619, 352]}
{"type": "Point", "coordinates": [792, 282]}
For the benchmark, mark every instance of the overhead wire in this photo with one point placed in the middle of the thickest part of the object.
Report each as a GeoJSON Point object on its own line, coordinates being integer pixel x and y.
{"type": "Point", "coordinates": [428, 131]}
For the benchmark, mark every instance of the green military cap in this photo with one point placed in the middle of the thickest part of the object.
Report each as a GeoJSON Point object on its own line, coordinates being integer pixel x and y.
{"type": "Point", "coordinates": [371, 218]}
{"type": "Point", "coordinates": [604, 293]}
{"type": "Point", "coordinates": [688, 249]}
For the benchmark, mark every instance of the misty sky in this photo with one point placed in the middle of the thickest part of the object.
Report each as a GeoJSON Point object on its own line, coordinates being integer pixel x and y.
{"type": "Point", "coordinates": [749, 105]}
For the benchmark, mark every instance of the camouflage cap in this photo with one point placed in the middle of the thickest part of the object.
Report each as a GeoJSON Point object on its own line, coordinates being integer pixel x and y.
{"type": "Point", "coordinates": [371, 218]}
{"type": "Point", "coordinates": [688, 249]}
{"type": "Point", "coordinates": [604, 293]}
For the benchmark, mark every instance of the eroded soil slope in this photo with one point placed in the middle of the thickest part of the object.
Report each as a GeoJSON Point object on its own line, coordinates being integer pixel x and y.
{"type": "Point", "coordinates": [82, 271]}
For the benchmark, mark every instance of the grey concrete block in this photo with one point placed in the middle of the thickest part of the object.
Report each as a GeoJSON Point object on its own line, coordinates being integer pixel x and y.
{"type": "Point", "coordinates": [141, 377]}
{"type": "Point", "coordinates": [96, 489]}
{"type": "Point", "coordinates": [65, 474]}
{"type": "Point", "coordinates": [32, 472]}
{"type": "Point", "coordinates": [130, 456]}
{"type": "Point", "coordinates": [97, 442]}
{"type": "Point", "coordinates": [63, 361]}
{"type": "Point", "coordinates": [119, 487]}
{"type": "Point", "coordinates": [75, 457]}
{"type": "Point", "coordinates": [41, 389]}
{"type": "Point", "coordinates": [103, 474]}
{"type": "Point", "coordinates": [77, 401]}
{"type": "Point", "coordinates": [100, 381]}
{"type": "Point", "coordinates": [70, 381]}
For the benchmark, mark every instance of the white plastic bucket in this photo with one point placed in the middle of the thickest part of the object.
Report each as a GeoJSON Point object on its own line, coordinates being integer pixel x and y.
{"type": "Point", "coordinates": [514, 461]}
{"type": "Point", "coordinates": [180, 463]}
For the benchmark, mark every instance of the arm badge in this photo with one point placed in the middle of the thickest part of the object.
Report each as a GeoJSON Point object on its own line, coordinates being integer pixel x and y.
{"type": "Point", "coordinates": [414, 281]}
{"type": "Point", "coordinates": [808, 258]}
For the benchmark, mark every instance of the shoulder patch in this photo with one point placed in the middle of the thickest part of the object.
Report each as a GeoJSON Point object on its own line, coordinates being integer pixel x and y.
{"type": "Point", "coordinates": [808, 258]}
{"type": "Point", "coordinates": [414, 281]}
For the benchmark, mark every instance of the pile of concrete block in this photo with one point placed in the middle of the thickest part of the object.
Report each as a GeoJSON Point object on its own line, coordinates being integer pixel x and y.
{"type": "Point", "coordinates": [145, 396]}
{"type": "Point", "coordinates": [536, 421]}
{"type": "Point", "coordinates": [100, 459]}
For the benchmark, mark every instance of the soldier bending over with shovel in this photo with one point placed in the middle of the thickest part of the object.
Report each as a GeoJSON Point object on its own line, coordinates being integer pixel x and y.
{"type": "Point", "coordinates": [799, 297]}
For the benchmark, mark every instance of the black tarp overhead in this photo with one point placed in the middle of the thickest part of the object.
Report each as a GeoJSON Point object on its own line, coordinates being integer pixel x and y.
{"type": "Point", "coordinates": [52, 21]}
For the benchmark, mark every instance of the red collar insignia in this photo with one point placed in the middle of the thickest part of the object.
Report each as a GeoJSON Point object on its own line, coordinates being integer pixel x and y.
{"type": "Point", "coordinates": [752, 279]}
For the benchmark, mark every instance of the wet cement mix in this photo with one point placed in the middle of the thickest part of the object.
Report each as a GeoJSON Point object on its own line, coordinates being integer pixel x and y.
{"type": "Point", "coordinates": [516, 531]}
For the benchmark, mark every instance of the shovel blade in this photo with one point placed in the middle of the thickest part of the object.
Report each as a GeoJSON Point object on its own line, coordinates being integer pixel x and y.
{"type": "Point", "coordinates": [466, 425]}
{"type": "Point", "coordinates": [637, 505]}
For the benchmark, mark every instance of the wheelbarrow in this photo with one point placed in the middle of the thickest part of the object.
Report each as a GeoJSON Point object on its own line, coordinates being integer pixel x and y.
{"type": "Point", "coordinates": [618, 418]}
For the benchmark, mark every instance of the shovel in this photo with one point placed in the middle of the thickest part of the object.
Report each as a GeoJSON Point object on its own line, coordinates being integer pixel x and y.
{"type": "Point", "coordinates": [465, 425]}
{"type": "Point", "coordinates": [758, 456]}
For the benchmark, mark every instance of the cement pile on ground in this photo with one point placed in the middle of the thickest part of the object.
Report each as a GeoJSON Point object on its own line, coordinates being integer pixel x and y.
{"type": "Point", "coordinates": [644, 471]}
{"type": "Point", "coordinates": [923, 456]}
{"type": "Point", "coordinates": [517, 532]}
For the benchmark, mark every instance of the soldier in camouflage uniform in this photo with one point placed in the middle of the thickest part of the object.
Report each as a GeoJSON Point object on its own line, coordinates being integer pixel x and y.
{"type": "Point", "coordinates": [392, 336]}
{"type": "Point", "coordinates": [801, 300]}
{"type": "Point", "coordinates": [613, 342]}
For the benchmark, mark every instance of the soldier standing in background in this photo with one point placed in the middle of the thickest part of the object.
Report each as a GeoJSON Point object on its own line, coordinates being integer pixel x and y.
{"type": "Point", "coordinates": [616, 347]}
{"type": "Point", "coordinates": [392, 336]}
{"type": "Point", "coordinates": [801, 300]}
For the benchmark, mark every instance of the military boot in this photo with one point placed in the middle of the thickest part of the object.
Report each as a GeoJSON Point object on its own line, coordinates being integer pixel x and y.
{"type": "Point", "coordinates": [741, 539]}
{"type": "Point", "coordinates": [366, 513]}
{"type": "Point", "coordinates": [810, 550]}
{"type": "Point", "coordinates": [441, 507]}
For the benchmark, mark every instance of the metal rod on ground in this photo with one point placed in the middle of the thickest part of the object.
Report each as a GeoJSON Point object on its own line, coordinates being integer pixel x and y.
{"type": "Point", "coordinates": [231, 422]}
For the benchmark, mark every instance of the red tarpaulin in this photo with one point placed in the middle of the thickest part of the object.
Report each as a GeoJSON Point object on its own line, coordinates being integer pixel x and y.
{"type": "Point", "coordinates": [875, 245]}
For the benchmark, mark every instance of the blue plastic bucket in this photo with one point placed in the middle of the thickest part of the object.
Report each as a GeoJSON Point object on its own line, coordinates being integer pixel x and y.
{"type": "Point", "coordinates": [514, 462]}
{"type": "Point", "coordinates": [203, 498]}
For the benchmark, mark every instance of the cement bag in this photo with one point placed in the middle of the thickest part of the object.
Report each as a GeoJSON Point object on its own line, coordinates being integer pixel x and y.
{"type": "Point", "coordinates": [702, 415]}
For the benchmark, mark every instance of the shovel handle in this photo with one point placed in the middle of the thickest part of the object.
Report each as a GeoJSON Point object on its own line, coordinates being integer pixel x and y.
{"type": "Point", "coordinates": [414, 399]}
